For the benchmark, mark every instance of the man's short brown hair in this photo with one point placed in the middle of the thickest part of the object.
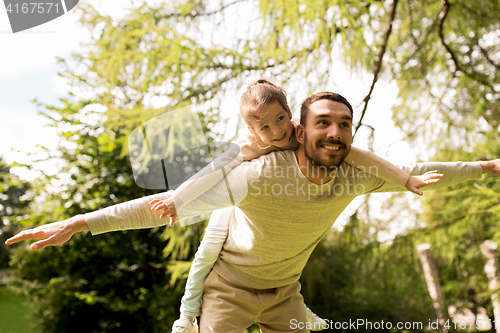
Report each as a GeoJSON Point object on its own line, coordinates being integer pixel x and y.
{"type": "Point", "coordinates": [304, 110]}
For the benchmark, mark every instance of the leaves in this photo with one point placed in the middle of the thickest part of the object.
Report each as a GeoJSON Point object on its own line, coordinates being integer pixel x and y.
{"type": "Point", "coordinates": [444, 56]}
{"type": "Point", "coordinates": [13, 205]}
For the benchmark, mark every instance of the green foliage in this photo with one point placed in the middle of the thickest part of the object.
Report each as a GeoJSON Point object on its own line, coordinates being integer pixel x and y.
{"type": "Point", "coordinates": [445, 59]}
{"type": "Point", "coordinates": [352, 275]}
{"type": "Point", "coordinates": [458, 220]}
{"type": "Point", "coordinates": [115, 280]}
{"type": "Point", "coordinates": [444, 56]}
{"type": "Point", "coordinates": [118, 281]}
{"type": "Point", "coordinates": [349, 277]}
{"type": "Point", "coordinates": [125, 279]}
{"type": "Point", "coordinates": [12, 204]}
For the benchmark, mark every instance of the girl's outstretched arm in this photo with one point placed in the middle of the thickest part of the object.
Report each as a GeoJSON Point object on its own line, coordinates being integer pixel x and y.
{"type": "Point", "coordinates": [369, 162]}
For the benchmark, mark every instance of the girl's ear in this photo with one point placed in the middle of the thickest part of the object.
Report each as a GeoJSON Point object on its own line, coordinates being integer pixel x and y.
{"type": "Point", "coordinates": [250, 128]}
{"type": "Point", "coordinates": [299, 133]}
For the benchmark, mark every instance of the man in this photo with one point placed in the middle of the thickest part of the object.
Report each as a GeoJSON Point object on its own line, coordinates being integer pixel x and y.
{"type": "Point", "coordinates": [294, 197]}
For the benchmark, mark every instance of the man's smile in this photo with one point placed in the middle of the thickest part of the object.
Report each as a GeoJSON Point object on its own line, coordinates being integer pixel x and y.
{"type": "Point", "coordinates": [332, 148]}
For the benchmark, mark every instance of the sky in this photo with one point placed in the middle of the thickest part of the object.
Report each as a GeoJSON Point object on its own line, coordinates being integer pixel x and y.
{"type": "Point", "coordinates": [28, 70]}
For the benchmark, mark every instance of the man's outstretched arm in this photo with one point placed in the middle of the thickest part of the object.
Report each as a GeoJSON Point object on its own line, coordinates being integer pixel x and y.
{"type": "Point", "coordinates": [492, 167]}
{"type": "Point", "coordinates": [135, 214]}
{"type": "Point", "coordinates": [51, 234]}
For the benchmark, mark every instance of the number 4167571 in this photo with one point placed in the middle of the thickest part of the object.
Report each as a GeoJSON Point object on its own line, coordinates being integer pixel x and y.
{"type": "Point", "coordinates": [32, 7]}
{"type": "Point", "coordinates": [470, 323]}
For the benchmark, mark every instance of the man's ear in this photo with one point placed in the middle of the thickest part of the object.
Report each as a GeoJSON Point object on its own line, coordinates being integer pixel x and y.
{"type": "Point", "coordinates": [299, 133]}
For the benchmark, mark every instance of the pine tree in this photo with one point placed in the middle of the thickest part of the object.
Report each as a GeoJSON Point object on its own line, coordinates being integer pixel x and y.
{"type": "Point", "coordinates": [444, 56]}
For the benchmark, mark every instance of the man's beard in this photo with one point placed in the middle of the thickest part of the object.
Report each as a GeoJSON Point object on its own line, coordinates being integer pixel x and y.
{"type": "Point", "coordinates": [314, 156]}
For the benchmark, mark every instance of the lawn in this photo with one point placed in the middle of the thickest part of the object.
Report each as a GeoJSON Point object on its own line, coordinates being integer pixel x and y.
{"type": "Point", "coordinates": [13, 312]}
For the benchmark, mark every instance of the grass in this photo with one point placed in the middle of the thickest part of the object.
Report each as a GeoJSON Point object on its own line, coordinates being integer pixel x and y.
{"type": "Point", "coordinates": [13, 312]}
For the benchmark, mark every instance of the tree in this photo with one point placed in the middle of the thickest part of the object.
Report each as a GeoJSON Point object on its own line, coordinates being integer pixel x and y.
{"type": "Point", "coordinates": [12, 204]}
{"type": "Point", "coordinates": [443, 55]}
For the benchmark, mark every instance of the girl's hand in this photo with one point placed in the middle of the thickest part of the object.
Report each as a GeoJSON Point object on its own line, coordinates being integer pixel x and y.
{"type": "Point", "coordinates": [167, 206]}
{"type": "Point", "coordinates": [416, 182]}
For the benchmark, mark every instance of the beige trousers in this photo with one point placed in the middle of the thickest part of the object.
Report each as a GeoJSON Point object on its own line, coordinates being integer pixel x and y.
{"type": "Point", "coordinates": [228, 308]}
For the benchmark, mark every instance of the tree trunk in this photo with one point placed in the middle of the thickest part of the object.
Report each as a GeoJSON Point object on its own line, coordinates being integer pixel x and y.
{"type": "Point", "coordinates": [432, 280]}
{"type": "Point", "coordinates": [489, 249]}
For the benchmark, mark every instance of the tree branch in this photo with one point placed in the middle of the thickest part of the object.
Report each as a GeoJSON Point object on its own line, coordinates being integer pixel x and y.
{"type": "Point", "coordinates": [410, 16]}
{"type": "Point", "coordinates": [477, 76]}
{"type": "Point", "coordinates": [378, 65]}
{"type": "Point", "coordinates": [192, 15]}
{"type": "Point", "coordinates": [485, 54]}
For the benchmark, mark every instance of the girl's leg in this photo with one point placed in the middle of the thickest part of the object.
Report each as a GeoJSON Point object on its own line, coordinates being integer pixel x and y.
{"type": "Point", "coordinates": [205, 258]}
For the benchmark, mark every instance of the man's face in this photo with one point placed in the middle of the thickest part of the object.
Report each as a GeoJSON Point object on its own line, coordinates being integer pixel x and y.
{"type": "Point", "coordinates": [327, 133]}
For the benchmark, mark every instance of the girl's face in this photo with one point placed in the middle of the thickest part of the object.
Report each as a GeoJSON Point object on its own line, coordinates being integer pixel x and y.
{"type": "Point", "coordinates": [275, 127]}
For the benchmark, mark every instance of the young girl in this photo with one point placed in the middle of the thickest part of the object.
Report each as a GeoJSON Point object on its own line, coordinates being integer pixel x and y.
{"type": "Point", "coordinates": [264, 108]}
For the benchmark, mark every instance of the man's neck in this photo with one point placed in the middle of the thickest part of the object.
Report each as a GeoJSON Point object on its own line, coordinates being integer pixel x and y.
{"type": "Point", "coordinates": [317, 175]}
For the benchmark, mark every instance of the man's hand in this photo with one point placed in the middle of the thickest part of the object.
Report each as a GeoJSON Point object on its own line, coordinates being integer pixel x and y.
{"type": "Point", "coordinates": [51, 234]}
{"type": "Point", "coordinates": [416, 182]}
{"type": "Point", "coordinates": [167, 206]}
{"type": "Point", "coordinates": [492, 167]}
